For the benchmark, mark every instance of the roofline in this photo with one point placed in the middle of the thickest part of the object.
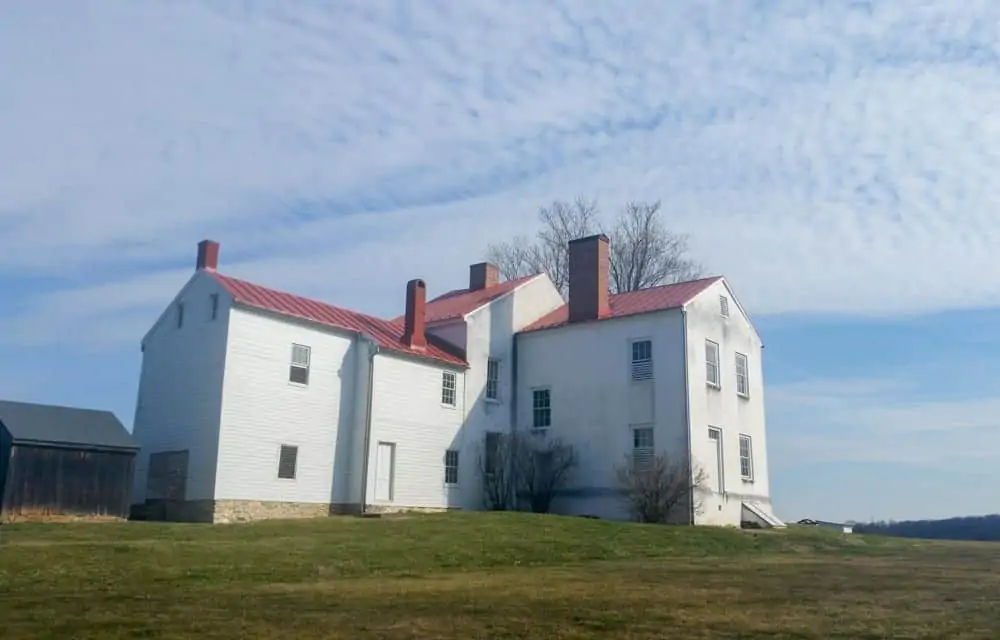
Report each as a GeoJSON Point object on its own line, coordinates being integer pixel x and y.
{"type": "Point", "coordinates": [167, 307]}
{"type": "Point", "coordinates": [322, 326]}
{"type": "Point", "coordinates": [732, 295]}
{"type": "Point", "coordinates": [526, 282]}
{"type": "Point", "coordinates": [579, 323]}
{"type": "Point", "coordinates": [88, 446]}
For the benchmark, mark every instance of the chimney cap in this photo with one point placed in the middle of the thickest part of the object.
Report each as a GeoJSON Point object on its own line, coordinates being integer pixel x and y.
{"type": "Point", "coordinates": [595, 237]}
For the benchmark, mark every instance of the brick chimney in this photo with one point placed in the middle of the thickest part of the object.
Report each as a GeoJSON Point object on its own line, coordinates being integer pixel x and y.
{"type": "Point", "coordinates": [588, 278]}
{"type": "Point", "coordinates": [416, 309]}
{"type": "Point", "coordinates": [483, 275]}
{"type": "Point", "coordinates": [208, 255]}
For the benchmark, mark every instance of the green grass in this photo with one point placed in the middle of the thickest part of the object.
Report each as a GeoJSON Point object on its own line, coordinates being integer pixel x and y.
{"type": "Point", "coordinates": [486, 576]}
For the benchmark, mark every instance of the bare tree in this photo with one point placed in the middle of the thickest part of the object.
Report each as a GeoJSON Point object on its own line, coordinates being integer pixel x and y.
{"type": "Point", "coordinates": [644, 253]}
{"type": "Point", "coordinates": [518, 466]}
{"type": "Point", "coordinates": [543, 467]}
{"type": "Point", "coordinates": [496, 464]}
{"type": "Point", "coordinates": [658, 487]}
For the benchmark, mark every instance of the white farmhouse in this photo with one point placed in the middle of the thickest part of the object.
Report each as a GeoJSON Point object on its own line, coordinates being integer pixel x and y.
{"type": "Point", "coordinates": [255, 403]}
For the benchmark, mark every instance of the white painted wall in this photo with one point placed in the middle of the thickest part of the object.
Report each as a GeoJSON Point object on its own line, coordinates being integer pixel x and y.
{"type": "Point", "coordinates": [180, 387]}
{"type": "Point", "coordinates": [262, 410]}
{"type": "Point", "coordinates": [595, 403]}
{"type": "Point", "coordinates": [488, 332]}
{"type": "Point", "coordinates": [723, 408]}
{"type": "Point", "coordinates": [407, 412]}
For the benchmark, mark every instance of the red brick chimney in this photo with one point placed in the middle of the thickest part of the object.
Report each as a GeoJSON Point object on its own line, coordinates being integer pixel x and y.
{"type": "Point", "coordinates": [416, 303]}
{"type": "Point", "coordinates": [483, 275]}
{"type": "Point", "coordinates": [588, 278]}
{"type": "Point", "coordinates": [208, 255]}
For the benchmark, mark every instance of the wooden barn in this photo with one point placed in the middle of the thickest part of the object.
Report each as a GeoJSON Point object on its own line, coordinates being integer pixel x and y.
{"type": "Point", "coordinates": [62, 461]}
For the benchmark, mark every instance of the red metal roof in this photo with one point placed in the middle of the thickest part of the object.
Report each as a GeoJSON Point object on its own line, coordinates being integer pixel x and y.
{"type": "Point", "coordinates": [387, 333]}
{"type": "Point", "coordinates": [457, 303]}
{"type": "Point", "coordinates": [668, 296]}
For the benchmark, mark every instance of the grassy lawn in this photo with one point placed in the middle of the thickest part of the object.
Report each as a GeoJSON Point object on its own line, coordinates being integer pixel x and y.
{"type": "Point", "coordinates": [486, 576]}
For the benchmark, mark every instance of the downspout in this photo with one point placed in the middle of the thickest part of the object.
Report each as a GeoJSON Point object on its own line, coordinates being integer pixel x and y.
{"type": "Point", "coordinates": [373, 350]}
{"type": "Point", "coordinates": [687, 405]}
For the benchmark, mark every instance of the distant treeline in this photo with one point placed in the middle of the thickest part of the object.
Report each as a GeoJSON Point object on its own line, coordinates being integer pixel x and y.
{"type": "Point", "coordinates": [967, 528]}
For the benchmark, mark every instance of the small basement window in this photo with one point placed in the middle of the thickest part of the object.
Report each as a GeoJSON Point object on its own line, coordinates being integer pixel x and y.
{"type": "Point", "coordinates": [287, 461]}
{"type": "Point", "coordinates": [451, 466]}
{"type": "Point", "coordinates": [449, 384]}
{"type": "Point", "coordinates": [298, 370]}
{"type": "Point", "coordinates": [642, 448]}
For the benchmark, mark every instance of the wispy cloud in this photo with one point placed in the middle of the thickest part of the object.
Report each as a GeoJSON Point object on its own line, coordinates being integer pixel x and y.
{"type": "Point", "coordinates": [841, 157]}
{"type": "Point", "coordinates": [881, 420]}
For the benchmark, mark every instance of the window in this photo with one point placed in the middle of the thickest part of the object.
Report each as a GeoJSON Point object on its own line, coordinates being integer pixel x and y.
{"type": "Point", "coordinates": [742, 380]}
{"type": "Point", "coordinates": [298, 372]}
{"type": "Point", "coordinates": [451, 466]}
{"type": "Point", "coordinates": [642, 447]}
{"type": "Point", "coordinates": [724, 306]}
{"type": "Point", "coordinates": [492, 379]}
{"type": "Point", "coordinates": [492, 452]}
{"type": "Point", "coordinates": [541, 408]}
{"type": "Point", "coordinates": [448, 385]}
{"type": "Point", "coordinates": [180, 315]}
{"type": "Point", "coordinates": [746, 457]}
{"type": "Point", "coordinates": [214, 300]}
{"type": "Point", "coordinates": [715, 436]}
{"type": "Point", "coordinates": [712, 363]}
{"type": "Point", "coordinates": [287, 459]}
{"type": "Point", "coordinates": [642, 360]}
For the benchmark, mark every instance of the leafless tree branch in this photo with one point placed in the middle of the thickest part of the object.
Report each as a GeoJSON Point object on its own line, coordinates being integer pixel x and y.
{"type": "Point", "coordinates": [644, 252]}
{"type": "Point", "coordinates": [524, 466]}
{"type": "Point", "coordinates": [658, 487]}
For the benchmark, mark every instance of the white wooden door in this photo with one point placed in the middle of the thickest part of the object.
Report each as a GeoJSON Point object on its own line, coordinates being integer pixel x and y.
{"type": "Point", "coordinates": [384, 471]}
{"type": "Point", "coordinates": [715, 468]}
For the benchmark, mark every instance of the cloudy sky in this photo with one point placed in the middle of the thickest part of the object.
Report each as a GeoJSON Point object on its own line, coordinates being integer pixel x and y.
{"type": "Point", "coordinates": [838, 161]}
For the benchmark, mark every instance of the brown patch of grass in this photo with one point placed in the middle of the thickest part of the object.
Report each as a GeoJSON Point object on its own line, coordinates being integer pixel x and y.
{"type": "Point", "coordinates": [486, 576]}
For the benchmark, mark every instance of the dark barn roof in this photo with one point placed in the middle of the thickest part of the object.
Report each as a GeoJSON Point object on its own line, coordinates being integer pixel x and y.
{"type": "Point", "coordinates": [42, 424]}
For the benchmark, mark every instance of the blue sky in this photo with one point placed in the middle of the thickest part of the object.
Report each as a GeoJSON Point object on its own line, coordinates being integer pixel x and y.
{"type": "Point", "coordinates": [838, 162]}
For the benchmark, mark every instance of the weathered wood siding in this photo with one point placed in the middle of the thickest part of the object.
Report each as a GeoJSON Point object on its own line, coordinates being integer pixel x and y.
{"type": "Point", "coordinates": [50, 481]}
{"type": "Point", "coordinates": [5, 441]}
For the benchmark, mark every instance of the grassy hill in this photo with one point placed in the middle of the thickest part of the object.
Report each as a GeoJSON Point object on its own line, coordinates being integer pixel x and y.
{"type": "Point", "coordinates": [479, 575]}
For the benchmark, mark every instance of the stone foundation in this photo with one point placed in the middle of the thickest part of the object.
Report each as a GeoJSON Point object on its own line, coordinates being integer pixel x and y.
{"type": "Point", "coordinates": [227, 511]}
{"type": "Point", "coordinates": [231, 511]}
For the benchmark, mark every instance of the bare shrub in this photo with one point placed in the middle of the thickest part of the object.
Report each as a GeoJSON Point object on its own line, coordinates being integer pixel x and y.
{"type": "Point", "coordinates": [522, 466]}
{"type": "Point", "coordinates": [659, 487]}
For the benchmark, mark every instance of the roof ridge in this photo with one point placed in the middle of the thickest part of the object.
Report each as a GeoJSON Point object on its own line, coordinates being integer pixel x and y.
{"type": "Point", "coordinates": [670, 284]}
{"type": "Point", "coordinates": [306, 298]}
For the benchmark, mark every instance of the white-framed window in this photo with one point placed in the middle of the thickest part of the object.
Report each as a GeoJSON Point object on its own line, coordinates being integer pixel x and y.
{"type": "Point", "coordinates": [492, 446]}
{"type": "Point", "coordinates": [298, 370]}
{"type": "Point", "coordinates": [715, 438]}
{"type": "Point", "coordinates": [449, 385]}
{"type": "Point", "coordinates": [742, 376]}
{"type": "Point", "coordinates": [213, 300]}
{"type": "Point", "coordinates": [288, 458]}
{"type": "Point", "coordinates": [712, 363]}
{"type": "Point", "coordinates": [746, 457]}
{"type": "Point", "coordinates": [642, 360]}
{"type": "Point", "coordinates": [541, 408]}
{"type": "Point", "coordinates": [642, 447]}
{"type": "Point", "coordinates": [180, 315]}
{"type": "Point", "coordinates": [724, 306]}
{"type": "Point", "coordinates": [451, 466]}
{"type": "Point", "coordinates": [492, 379]}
